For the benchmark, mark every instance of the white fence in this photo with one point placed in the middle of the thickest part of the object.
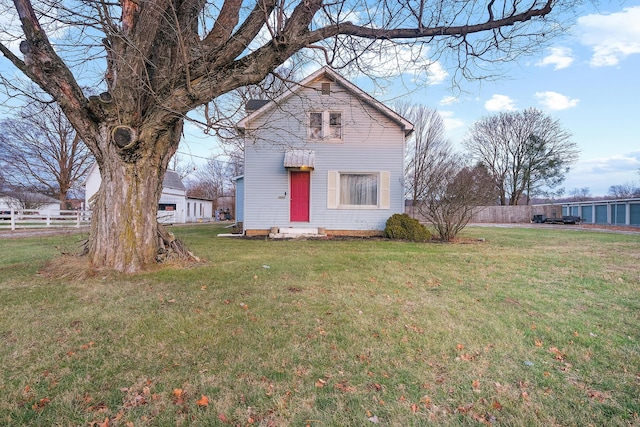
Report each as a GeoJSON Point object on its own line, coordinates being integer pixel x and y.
{"type": "Point", "coordinates": [14, 219]}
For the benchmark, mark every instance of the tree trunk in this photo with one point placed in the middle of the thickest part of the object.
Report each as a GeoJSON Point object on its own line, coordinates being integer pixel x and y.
{"type": "Point", "coordinates": [124, 233]}
{"type": "Point", "coordinates": [124, 227]}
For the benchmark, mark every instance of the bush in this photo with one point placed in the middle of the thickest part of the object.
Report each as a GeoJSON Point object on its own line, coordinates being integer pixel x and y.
{"type": "Point", "coordinates": [402, 226]}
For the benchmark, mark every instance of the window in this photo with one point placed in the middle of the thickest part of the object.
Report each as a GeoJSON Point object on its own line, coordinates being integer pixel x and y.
{"type": "Point", "coordinates": [325, 125]}
{"type": "Point", "coordinates": [326, 88]}
{"type": "Point", "coordinates": [335, 125]}
{"type": "Point", "coordinates": [358, 190]}
{"type": "Point", "coordinates": [315, 125]}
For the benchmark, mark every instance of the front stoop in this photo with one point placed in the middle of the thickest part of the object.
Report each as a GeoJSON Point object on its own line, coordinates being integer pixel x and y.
{"type": "Point", "coordinates": [295, 232]}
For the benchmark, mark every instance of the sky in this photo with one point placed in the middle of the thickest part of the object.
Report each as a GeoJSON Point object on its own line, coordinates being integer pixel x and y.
{"type": "Point", "coordinates": [588, 79]}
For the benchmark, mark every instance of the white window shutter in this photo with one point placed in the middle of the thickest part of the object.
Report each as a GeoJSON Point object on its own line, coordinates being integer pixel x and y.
{"type": "Point", "coordinates": [385, 190]}
{"type": "Point", "coordinates": [332, 189]}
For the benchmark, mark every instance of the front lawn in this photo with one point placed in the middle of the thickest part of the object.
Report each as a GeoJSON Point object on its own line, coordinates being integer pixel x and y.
{"type": "Point", "coordinates": [530, 327]}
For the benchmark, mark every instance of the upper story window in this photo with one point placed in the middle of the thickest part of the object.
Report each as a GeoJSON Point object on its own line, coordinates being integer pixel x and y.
{"type": "Point", "coordinates": [325, 125]}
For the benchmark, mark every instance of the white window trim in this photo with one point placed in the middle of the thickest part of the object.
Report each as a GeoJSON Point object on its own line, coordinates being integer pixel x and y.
{"type": "Point", "coordinates": [326, 126]}
{"type": "Point", "coordinates": [384, 191]}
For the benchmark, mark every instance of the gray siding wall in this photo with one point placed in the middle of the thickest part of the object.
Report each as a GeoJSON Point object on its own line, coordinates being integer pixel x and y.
{"type": "Point", "coordinates": [371, 143]}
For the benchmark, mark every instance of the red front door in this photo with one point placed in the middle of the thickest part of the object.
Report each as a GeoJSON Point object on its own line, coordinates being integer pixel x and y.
{"type": "Point", "coordinates": [300, 196]}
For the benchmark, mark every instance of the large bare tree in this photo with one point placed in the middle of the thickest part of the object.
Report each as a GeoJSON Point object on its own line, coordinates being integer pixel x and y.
{"type": "Point", "coordinates": [426, 152]}
{"type": "Point", "coordinates": [42, 152]}
{"type": "Point", "coordinates": [527, 153]}
{"type": "Point", "coordinates": [161, 59]}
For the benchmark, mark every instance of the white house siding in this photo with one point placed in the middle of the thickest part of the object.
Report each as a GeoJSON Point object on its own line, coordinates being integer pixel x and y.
{"type": "Point", "coordinates": [176, 197]}
{"type": "Point", "coordinates": [199, 210]}
{"type": "Point", "coordinates": [240, 199]}
{"type": "Point", "coordinates": [47, 205]}
{"type": "Point", "coordinates": [371, 142]}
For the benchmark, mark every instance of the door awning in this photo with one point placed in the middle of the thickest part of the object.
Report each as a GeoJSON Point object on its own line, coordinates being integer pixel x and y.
{"type": "Point", "coordinates": [299, 159]}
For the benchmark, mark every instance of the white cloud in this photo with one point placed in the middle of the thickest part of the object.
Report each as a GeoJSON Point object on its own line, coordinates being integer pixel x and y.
{"type": "Point", "coordinates": [436, 73]}
{"type": "Point", "coordinates": [500, 103]}
{"type": "Point", "coordinates": [556, 101]}
{"type": "Point", "coordinates": [448, 100]}
{"type": "Point", "coordinates": [451, 123]}
{"type": "Point", "coordinates": [612, 37]}
{"type": "Point", "coordinates": [628, 162]}
{"type": "Point", "coordinates": [560, 57]}
{"type": "Point", "coordinates": [601, 173]}
{"type": "Point", "coordinates": [387, 60]}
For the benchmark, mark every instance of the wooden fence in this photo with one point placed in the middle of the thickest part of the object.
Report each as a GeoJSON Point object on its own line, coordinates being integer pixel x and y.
{"type": "Point", "coordinates": [503, 214]}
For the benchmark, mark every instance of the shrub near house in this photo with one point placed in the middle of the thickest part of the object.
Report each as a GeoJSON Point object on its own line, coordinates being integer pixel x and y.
{"type": "Point", "coordinates": [403, 227]}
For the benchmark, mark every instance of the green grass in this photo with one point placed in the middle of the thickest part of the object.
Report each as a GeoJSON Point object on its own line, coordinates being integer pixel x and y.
{"type": "Point", "coordinates": [532, 327]}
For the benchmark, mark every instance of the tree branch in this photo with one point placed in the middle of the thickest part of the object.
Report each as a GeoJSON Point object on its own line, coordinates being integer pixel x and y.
{"type": "Point", "coordinates": [348, 28]}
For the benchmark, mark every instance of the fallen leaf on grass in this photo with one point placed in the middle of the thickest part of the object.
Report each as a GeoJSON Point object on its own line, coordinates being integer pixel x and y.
{"type": "Point", "coordinates": [486, 419]}
{"type": "Point", "coordinates": [320, 383]}
{"type": "Point", "coordinates": [463, 409]}
{"type": "Point", "coordinates": [466, 357]}
{"type": "Point", "coordinates": [597, 395]}
{"type": "Point", "coordinates": [87, 345]}
{"type": "Point", "coordinates": [374, 387]}
{"type": "Point", "coordinates": [559, 355]}
{"type": "Point", "coordinates": [203, 402]}
{"type": "Point", "coordinates": [104, 423]}
{"type": "Point", "coordinates": [40, 404]}
{"type": "Point", "coordinates": [178, 396]}
{"type": "Point", "coordinates": [345, 387]}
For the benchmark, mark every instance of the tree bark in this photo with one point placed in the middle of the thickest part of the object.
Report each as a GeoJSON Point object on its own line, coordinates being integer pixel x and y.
{"type": "Point", "coordinates": [124, 227]}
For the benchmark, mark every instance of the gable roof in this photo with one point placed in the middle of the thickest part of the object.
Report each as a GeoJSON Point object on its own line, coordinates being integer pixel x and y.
{"type": "Point", "coordinates": [172, 180]}
{"type": "Point", "coordinates": [329, 73]}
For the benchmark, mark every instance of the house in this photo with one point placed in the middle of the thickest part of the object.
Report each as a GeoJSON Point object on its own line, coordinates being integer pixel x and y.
{"type": "Point", "coordinates": [174, 205]}
{"type": "Point", "coordinates": [325, 157]}
{"type": "Point", "coordinates": [28, 200]}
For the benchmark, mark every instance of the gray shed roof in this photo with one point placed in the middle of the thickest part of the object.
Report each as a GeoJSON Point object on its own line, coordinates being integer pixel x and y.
{"type": "Point", "coordinates": [172, 180]}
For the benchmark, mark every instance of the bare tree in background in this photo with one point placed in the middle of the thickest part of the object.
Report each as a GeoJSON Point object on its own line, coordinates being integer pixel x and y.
{"type": "Point", "coordinates": [624, 191]}
{"type": "Point", "coordinates": [42, 152]}
{"type": "Point", "coordinates": [443, 191]}
{"type": "Point", "coordinates": [527, 153]}
{"type": "Point", "coordinates": [426, 151]}
{"type": "Point", "coordinates": [580, 194]}
{"type": "Point", "coordinates": [454, 191]}
{"type": "Point", "coordinates": [213, 179]}
{"type": "Point", "coordinates": [160, 60]}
